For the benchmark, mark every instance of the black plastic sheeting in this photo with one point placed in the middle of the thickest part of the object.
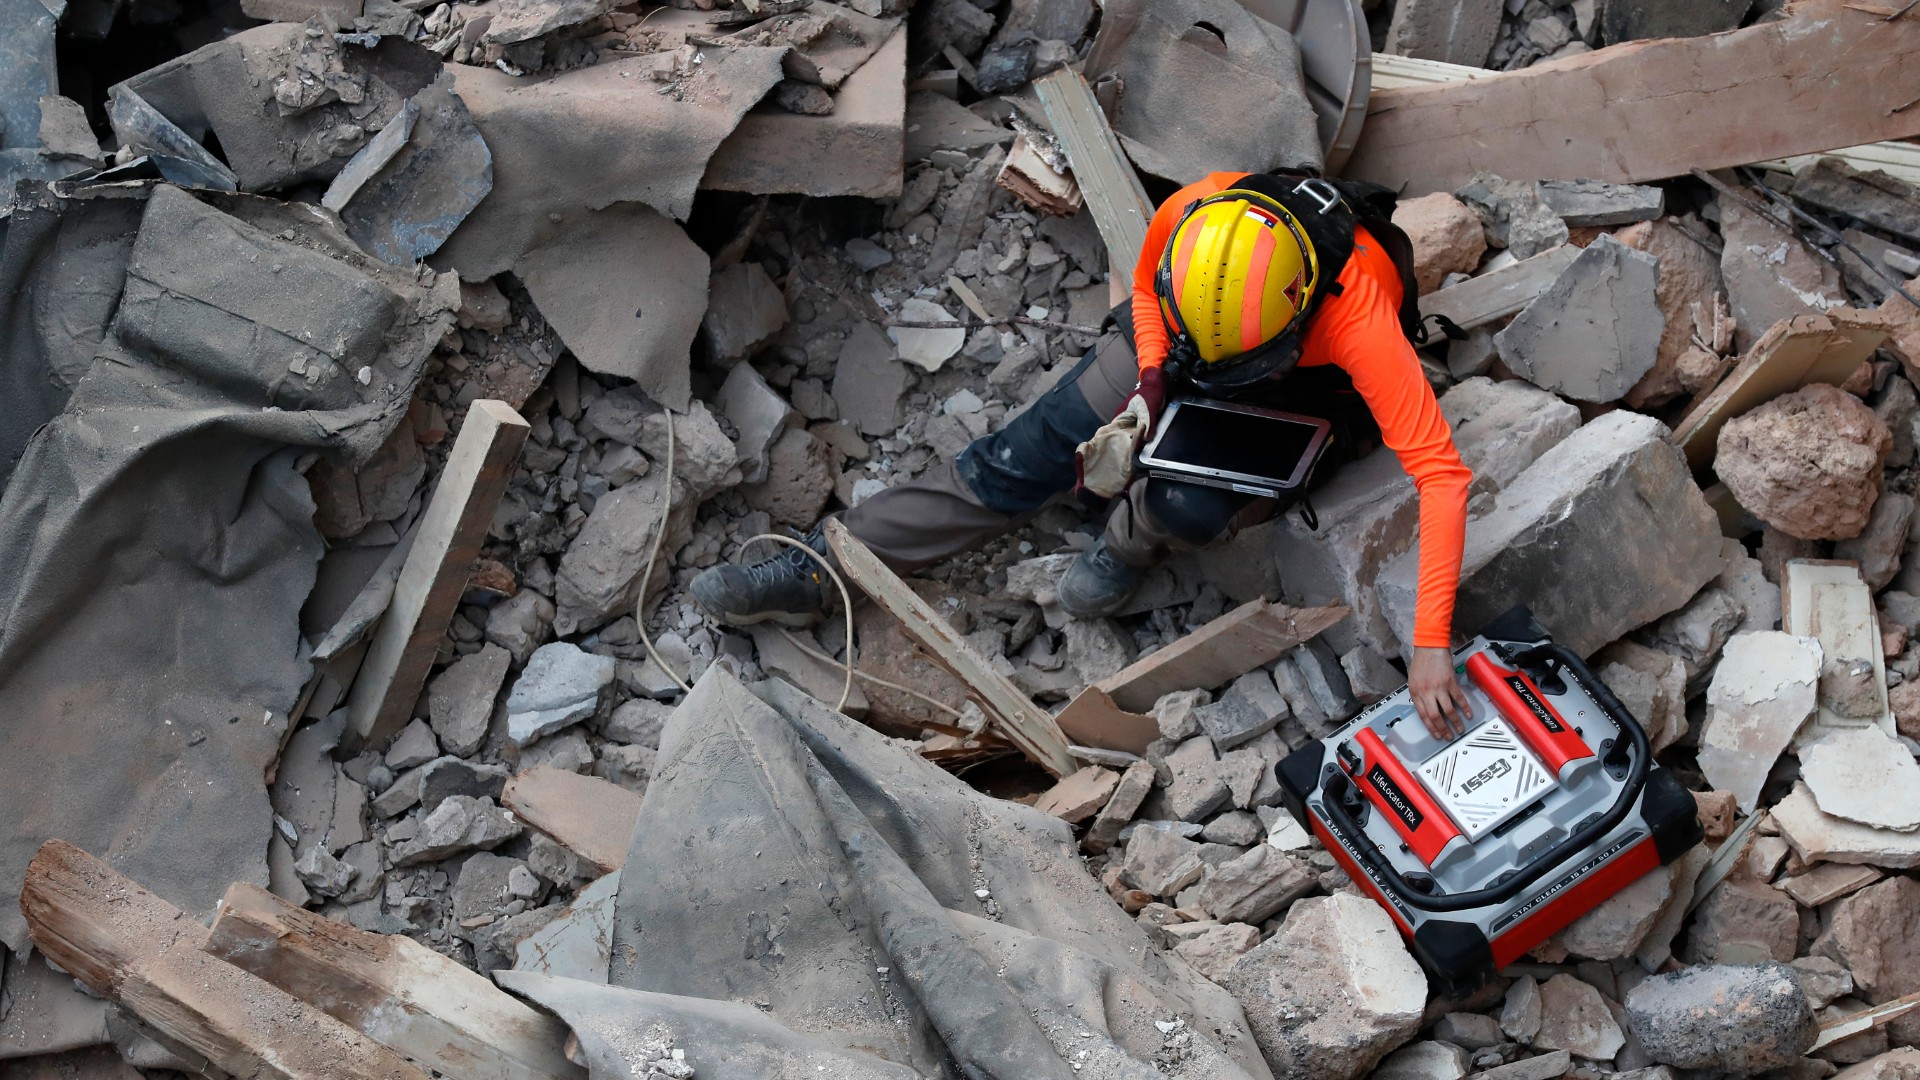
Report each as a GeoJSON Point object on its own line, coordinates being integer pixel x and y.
{"type": "Point", "coordinates": [157, 536]}
{"type": "Point", "coordinates": [805, 897]}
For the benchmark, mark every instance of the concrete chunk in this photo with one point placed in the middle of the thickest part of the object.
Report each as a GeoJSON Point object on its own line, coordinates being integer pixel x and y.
{"type": "Point", "coordinates": [460, 699]}
{"type": "Point", "coordinates": [1213, 951]}
{"type": "Point", "coordinates": [1595, 331]}
{"type": "Point", "coordinates": [1542, 1067]}
{"type": "Point", "coordinates": [1132, 790]}
{"type": "Point", "coordinates": [1445, 30]}
{"type": "Point", "coordinates": [1514, 215]}
{"type": "Point", "coordinates": [1197, 791]}
{"type": "Point", "coordinates": [1427, 1060]}
{"type": "Point", "coordinates": [758, 413]}
{"type": "Point", "coordinates": [1770, 274]}
{"type": "Point", "coordinates": [1604, 533]}
{"type": "Point", "coordinates": [1332, 993]}
{"type": "Point", "coordinates": [1583, 203]}
{"type": "Point", "coordinates": [560, 686]}
{"type": "Point", "coordinates": [458, 824]}
{"type": "Point", "coordinates": [1255, 887]}
{"type": "Point", "coordinates": [1863, 775]}
{"type": "Point", "coordinates": [1722, 1017]}
{"type": "Point", "coordinates": [745, 312]}
{"type": "Point", "coordinates": [1616, 927]}
{"type": "Point", "coordinates": [1820, 837]}
{"type": "Point", "coordinates": [1446, 234]}
{"type": "Point", "coordinates": [1080, 795]}
{"type": "Point", "coordinates": [1871, 933]}
{"type": "Point", "coordinates": [1161, 862]}
{"type": "Point", "coordinates": [1575, 1018]}
{"type": "Point", "coordinates": [1808, 463]}
{"type": "Point", "coordinates": [1744, 922]}
{"type": "Point", "coordinates": [1249, 708]}
{"type": "Point", "coordinates": [1761, 693]}
{"type": "Point", "coordinates": [869, 382]}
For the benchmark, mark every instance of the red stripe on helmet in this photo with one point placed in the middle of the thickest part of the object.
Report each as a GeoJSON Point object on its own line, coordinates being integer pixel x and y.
{"type": "Point", "coordinates": [1250, 335]}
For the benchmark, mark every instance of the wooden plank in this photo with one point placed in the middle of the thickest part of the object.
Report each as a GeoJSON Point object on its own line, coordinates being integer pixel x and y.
{"type": "Point", "coordinates": [1827, 599]}
{"type": "Point", "coordinates": [1250, 635]}
{"type": "Point", "coordinates": [591, 817]}
{"type": "Point", "coordinates": [1791, 354]}
{"type": "Point", "coordinates": [1725, 858]}
{"type": "Point", "coordinates": [1897, 159]}
{"type": "Point", "coordinates": [1497, 294]}
{"type": "Point", "coordinates": [1866, 1019]}
{"type": "Point", "coordinates": [142, 953]}
{"type": "Point", "coordinates": [1092, 719]}
{"type": "Point", "coordinates": [446, 544]}
{"type": "Point", "coordinates": [1825, 77]}
{"type": "Point", "coordinates": [1015, 717]}
{"type": "Point", "coordinates": [439, 1013]}
{"type": "Point", "coordinates": [1107, 181]}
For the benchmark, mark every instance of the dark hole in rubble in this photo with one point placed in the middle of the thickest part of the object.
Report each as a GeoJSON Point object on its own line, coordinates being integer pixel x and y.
{"type": "Point", "coordinates": [141, 35]}
{"type": "Point", "coordinates": [1208, 37]}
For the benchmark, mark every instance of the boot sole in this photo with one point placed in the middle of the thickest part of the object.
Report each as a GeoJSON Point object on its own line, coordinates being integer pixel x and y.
{"type": "Point", "coordinates": [788, 619]}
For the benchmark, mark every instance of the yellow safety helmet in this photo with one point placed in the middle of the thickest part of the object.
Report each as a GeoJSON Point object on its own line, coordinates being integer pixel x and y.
{"type": "Point", "coordinates": [1238, 273]}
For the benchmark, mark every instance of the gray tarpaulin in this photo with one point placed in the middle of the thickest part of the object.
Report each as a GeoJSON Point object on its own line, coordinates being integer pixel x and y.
{"type": "Point", "coordinates": [804, 897]}
{"type": "Point", "coordinates": [157, 539]}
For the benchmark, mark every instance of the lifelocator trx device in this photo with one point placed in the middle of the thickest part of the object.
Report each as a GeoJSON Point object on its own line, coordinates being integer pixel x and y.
{"type": "Point", "coordinates": [1484, 845]}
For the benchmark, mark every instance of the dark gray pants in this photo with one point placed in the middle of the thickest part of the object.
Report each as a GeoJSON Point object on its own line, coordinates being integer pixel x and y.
{"type": "Point", "coordinates": [1002, 477]}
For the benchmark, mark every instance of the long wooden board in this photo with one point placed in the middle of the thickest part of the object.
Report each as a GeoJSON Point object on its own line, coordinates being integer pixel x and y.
{"type": "Point", "coordinates": [135, 949]}
{"type": "Point", "coordinates": [435, 573]}
{"type": "Point", "coordinates": [438, 1012]}
{"type": "Point", "coordinates": [1827, 76]}
{"type": "Point", "coordinates": [1016, 718]}
{"type": "Point", "coordinates": [1791, 354]}
{"type": "Point", "coordinates": [1255, 633]}
{"type": "Point", "coordinates": [1107, 181]}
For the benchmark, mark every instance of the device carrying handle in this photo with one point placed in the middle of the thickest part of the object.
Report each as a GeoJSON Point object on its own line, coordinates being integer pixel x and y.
{"type": "Point", "coordinates": [1642, 761]}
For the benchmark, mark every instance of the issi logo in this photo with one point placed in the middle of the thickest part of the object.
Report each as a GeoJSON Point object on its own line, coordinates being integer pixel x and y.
{"type": "Point", "coordinates": [1499, 768]}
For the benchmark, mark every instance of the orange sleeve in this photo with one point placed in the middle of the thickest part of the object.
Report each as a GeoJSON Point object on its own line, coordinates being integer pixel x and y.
{"type": "Point", "coordinates": [1360, 331]}
{"type": "Point", "coordinates": [1149, 328]}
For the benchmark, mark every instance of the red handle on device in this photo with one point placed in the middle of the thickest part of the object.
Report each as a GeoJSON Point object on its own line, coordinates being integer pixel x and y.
{"type": "Point", "coordinates": [1398, 794]}
{"type": "Point", "coordinates": [1525, 707]}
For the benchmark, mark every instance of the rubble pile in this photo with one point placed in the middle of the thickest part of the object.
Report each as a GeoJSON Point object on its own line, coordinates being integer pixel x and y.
{"type": "Point", "coordinates": [851, 242]}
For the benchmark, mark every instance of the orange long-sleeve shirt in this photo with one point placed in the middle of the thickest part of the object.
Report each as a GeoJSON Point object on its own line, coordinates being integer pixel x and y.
{"type": "Point", "coordinates": [1358, 330]}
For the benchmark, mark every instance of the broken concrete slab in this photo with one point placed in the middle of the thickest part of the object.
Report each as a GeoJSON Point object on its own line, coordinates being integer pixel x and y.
{"type": "Point", "coordinates": [1762, 691]}
{"type": "Point", "coordinates": [869, 381]}
{"type": "Point", "coordinates": [1864, 775]}
{"type": "Point", "coordinates": [1880, 200]}
{"type": "Point", "coordinates": [1197, 790]}
{"type": "Point", "coordinates": [1452, 33]}
{"type": "Point", "coordinates": [1575, 1018]}
{"type": "Point", "coordinates": [798, 483]}
{"type": "Point", "coordinates": [560, 686]}
{"type": "Point", "coordinates": [590, 817]}
{"type": "Point", "coordinates": [1200, 58]}
{"type": "Point", "coordinates": [1520, 1009]}
{"type": "Point", "coordinates": [1653, 686]}
{"type": "Point", "coordinates": [1596, 331]}
{"type": "Point", "coordinates": [1826, 882]}
{"type": "Point", "coordinates": [46, 1012]}
{"type": "Point", "coordinates": [415, 745]}
{"type": "Point", "coordinates": [1332, 992]}
{"type": "Point", "coordinates": [407, 203]}
{"type": "Point", "coordinates": [1589, 203]}
{"type": "Point", "coordinates": [1616, 928]}
{"type": "Point", "coordinates": [1771, 274]}
{"type": "Point", "coordinates": [855, 150]}
{"type": "Point", "coordinates": [1879, 547]}
{"type": "Point", "coordinates": [578, 944]}
{"type": "Point", "coordinates": [460, 699]}
{"type": "Point", "coordinates": [1213, 950]}
{"type": "Point", "coordinates": [1723, 1017]}
{"type": "Point", "coordinates": [1820, 837]}
{"type": "Point", "coordinates": [1428, 1060]}
{"type": "Point", "coordinates": [1527, 548]}
{"type": "Point", "coordinates": [599, 576]}
{"type": "Point", "coordinates": [1136, 783]}
{"type": "Point", "coordinates": [625, 288]}
{"type": "Point", "coordinates": [1497, 293]}
{"type": "Point", "coordinates": [617, 146]}
{"type": "Point", "coordinates": [937, 122]}
{"type": "Point", "coordinates": [928, 349]}
{"type": "Point", "coordinates": [1808, 463]}
{"type": "Point", "coordinates": [1247, 709]}
{"type": "Point", "coordinates": [745, 312]}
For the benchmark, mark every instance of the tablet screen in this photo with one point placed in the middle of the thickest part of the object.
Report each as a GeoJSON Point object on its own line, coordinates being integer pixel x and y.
{"type": "Point", "coordinates": [1269, 446]}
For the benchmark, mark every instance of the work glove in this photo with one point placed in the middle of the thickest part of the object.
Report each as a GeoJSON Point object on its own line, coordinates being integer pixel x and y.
{"type": "Point", "coordinates": [1106, 460]}
{"type": "Point", "coordinates": [1149, 399]}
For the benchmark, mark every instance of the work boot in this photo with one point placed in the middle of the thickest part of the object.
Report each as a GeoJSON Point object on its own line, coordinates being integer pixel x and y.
{"type": "Point", "coordinates": [1097, 583]}
{"type": "Point", "coordinates": [787, 587]}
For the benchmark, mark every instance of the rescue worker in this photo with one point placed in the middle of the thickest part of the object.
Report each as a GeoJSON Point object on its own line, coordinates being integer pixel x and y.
{"type": "Point", "coordinates": [1274, 290]}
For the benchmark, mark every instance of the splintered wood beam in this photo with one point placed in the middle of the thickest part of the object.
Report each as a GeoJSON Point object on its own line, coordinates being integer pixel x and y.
{"type": "Point", "coordinates": [1791, 354]}
{"type": "Point", "coordinates": [1107, 181]}
{"type": "Point", "coordinates": [1828, 75]}
{"type": "Point", "coordinates": [142, 953]}
{"type": "Point", "coordinates": [1015, 717]}
{"type": "Point", "coordinates": [393, 990]}
{"type": "Point", "coordinates": [591, 817]}
{"type": "Point", "coordinates": [435, 573]}
{"type": "Point", "coordinates": [1253, 634]}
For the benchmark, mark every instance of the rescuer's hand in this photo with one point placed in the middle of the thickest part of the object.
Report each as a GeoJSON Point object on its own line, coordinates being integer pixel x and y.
{"type": "Point", "coordinates": [1149, 397]}
{"type": "Point", "coordinates": [1438, 698]}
